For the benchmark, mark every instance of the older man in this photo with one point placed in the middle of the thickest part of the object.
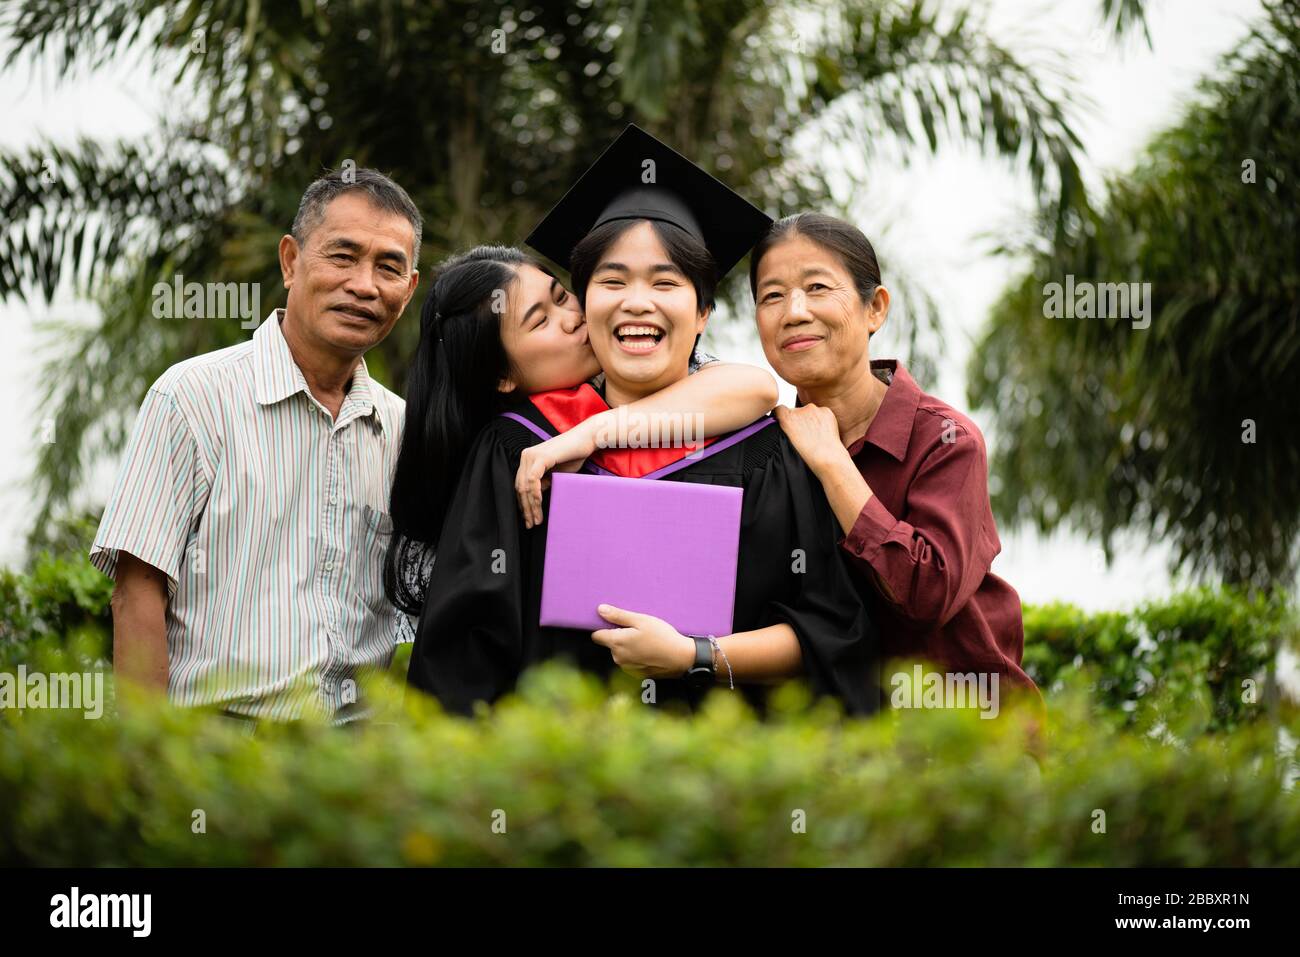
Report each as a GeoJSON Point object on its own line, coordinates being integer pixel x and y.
{"type": "Point", "coordinates": [248, 524]}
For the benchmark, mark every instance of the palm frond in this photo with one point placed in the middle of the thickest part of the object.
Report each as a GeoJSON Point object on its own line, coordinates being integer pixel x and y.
{"type": "Point", "coordinates": [72, 214]}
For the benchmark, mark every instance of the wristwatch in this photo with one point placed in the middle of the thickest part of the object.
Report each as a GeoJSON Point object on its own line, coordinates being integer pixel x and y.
{"type": "Point", "coordinates": [700, 675]}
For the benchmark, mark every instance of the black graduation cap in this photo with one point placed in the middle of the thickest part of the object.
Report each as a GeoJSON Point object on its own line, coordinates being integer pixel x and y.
{"type": "Point", "coordinates": [681, 194]}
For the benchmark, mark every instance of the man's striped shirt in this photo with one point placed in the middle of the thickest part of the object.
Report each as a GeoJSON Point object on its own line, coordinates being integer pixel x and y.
{"type": "Point", "coordinates": [269, 518]}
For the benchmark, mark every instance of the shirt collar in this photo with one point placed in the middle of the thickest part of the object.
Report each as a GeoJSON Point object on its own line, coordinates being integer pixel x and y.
{"type": "Point", "coordinates": [277, 376]}
{"type": "Point", "coordinates": [891, 429]}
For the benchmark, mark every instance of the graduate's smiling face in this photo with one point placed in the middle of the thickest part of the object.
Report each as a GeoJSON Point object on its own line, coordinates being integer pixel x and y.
{"type": "Point", "coordinates": [544, 335]}
{"type": "Point", "coordinates": [643, 314]}
{"type": "Point", "coordinates": [812, 320]}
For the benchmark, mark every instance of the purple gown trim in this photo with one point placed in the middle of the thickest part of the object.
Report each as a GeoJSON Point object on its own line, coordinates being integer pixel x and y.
{"type": "Point", "coordinates": [690, 459]}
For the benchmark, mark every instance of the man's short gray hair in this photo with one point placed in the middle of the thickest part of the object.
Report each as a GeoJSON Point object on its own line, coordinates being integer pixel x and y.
{"type": "Point", "coordinates": [379, 189]}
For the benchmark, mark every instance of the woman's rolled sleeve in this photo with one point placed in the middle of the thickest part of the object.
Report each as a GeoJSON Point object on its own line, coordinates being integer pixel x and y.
{"type": "Point", "coordinates": [929, 565]}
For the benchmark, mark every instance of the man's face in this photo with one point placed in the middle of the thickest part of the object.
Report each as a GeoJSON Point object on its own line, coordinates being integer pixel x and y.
{"type": "Point", "coordinates": [353, 277]}
{"type": "Point", "coordinates": [642, 315]}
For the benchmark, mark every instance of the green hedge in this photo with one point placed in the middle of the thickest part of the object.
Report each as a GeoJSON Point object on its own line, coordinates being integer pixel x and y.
{"type": "Point", "coordinates": [579, 777]}
{"type": "Point", "coordinates": [1149, 726]}
{"type": "Point", "coordinates": [60, 598]}
{"type": "Point", "coordinates": [1210, 652]}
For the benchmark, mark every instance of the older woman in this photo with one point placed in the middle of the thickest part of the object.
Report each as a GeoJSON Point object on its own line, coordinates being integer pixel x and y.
{"type": "Point", "coordinates": [906, 474]}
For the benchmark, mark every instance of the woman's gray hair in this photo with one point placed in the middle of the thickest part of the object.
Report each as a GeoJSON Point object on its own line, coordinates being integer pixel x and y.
{"type": "Point", "coordinates": [380, 190]}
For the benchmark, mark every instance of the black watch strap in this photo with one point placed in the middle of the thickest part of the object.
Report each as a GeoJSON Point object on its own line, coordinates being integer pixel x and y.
{"type": "Point", "coordinates": [700, 674]}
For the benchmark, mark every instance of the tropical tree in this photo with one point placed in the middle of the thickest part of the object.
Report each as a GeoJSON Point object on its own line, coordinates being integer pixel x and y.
{"type": "Point", "coordinates": [485, 111]}
{"type": "Point", "coordinates": [1178, 424]}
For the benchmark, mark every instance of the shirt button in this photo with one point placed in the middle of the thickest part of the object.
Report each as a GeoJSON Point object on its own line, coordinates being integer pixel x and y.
{"type": "Point", "coordinates": [333, 499]}
{"type": "Point", "coordinates": [329, 566]}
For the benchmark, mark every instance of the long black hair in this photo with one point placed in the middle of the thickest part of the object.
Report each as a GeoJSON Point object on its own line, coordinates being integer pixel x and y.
{"type": "Point", "coordinates": [451, 394]}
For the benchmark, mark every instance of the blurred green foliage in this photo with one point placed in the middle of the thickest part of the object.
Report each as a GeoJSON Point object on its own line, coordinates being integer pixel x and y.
{"type": "Point", "coordinates": [60, 600]}
{"type": "Point", "coordinates": [1208, 656]}
{"type": "Point", "coordinates": [1182, 432]}
{"type": "Point", "coordinates": [1147, 723]}
{"type": "Point", "coordinates": [566, 774]}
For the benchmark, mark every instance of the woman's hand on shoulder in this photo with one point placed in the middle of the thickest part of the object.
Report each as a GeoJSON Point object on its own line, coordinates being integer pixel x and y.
{"type": "Point", "coordinates": [814, 433]}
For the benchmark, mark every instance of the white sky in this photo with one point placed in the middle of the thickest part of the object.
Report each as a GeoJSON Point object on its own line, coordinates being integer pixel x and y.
{"type": "Point", "coordinates": [932, 214]}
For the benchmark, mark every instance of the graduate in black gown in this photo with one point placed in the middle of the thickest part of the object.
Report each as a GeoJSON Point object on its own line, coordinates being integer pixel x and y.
{"type": "Point", "coordinates": [645, 258]}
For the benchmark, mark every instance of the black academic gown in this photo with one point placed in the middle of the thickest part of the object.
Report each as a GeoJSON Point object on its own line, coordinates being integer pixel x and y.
{"type": "Point", "coordinates": [479, 628]}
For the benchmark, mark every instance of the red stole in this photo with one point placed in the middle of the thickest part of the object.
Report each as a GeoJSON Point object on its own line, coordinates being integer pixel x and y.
{"type": "Point", "coordinates": [565, 408]}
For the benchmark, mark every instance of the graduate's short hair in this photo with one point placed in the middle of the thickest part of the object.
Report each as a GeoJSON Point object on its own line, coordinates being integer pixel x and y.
{"type": "Point", "coordinates": [685, 252]}
{"type": "Point", "coordinates": [842, 238]}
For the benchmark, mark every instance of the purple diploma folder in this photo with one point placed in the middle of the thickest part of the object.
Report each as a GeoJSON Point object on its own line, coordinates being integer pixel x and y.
{"type": "Point", "coordinates": [666, 549]}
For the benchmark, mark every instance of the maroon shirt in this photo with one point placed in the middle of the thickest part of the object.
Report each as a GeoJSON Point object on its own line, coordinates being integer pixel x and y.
{"type": "Point", "coordinates": [925, 540]}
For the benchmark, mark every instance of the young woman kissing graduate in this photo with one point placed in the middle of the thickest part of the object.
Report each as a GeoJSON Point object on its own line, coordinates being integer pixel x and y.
{"type": "Point", "coordinates": [645, 258]}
